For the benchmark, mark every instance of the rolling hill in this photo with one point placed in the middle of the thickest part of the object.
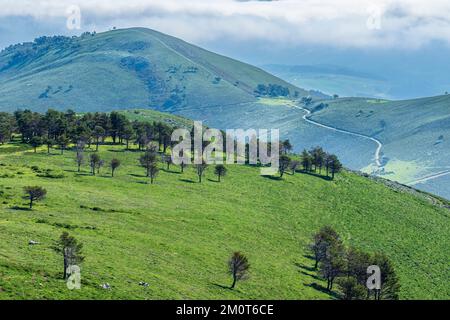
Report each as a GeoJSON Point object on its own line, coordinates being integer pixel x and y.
{"type": "Point", "coordinates": [125, 69]}
{"type": "Point", "coordinates": [177, 234]}
{"type": "Point", "coordinates": [143, 69]}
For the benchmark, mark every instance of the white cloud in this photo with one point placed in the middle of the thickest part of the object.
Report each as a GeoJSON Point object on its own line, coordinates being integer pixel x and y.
{"type": "Point", "coordinates": [343, 23]}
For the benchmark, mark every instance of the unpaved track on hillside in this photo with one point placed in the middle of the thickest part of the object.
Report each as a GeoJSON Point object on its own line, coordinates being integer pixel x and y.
{"type": "Point", "coordinates": [429, 177]}
{"type": "Point", "coordinates": [378, 142]}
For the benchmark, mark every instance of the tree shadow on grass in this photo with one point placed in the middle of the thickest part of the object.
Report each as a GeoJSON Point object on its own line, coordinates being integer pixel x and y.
{"type": "Point", "coordinates": [212, 180]}
{"type": "Point", "coordinates": [21, 208]}
{"type": "Point", "coordinates": [171, 171]}
{"type": "Point", "coordinates": [308, 256]}
{"type": "Point", "coordinates": [138, 175]}
{"type": "Point", "coordinates": [321, 288]}
{"type": "Point", "coordinates": [124, 150]}
{"type": "Point", "coordinates": [304, 267]}
{"type": "Point", "coordinates": [188, 181]}
{"type": "Point", "coordinates": [221, 286]}
{"type": "Point", "coordinates": [276, 178]}
{"type": "Point", "coordinates": [314, 174]}
{"type": "Point", "coordinates": [303, 270]}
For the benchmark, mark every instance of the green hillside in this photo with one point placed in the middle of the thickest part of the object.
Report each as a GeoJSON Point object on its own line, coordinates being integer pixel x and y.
{"type": "Point", "coordinates": [415, 136]}
{"type": "Point", "coordinates": [124, 69]}
{"type": "Point", "coordinates": [177, 234]}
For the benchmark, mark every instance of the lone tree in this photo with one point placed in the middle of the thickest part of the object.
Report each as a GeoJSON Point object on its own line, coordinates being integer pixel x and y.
{"type": "Point", "coordinates": [36, 142]}
{"type": "Point", "coordinates": [94, 162]}
{"type": "Point", "coordinates": [220, 171]}
{"type": "Point", "coordinates": [100, 164]}
{"type": "Point", "coordinates": [168, 161]}
{"type": "Point", "coordinates": [294, 165]}
{"type": "Point", "coordinates": [285, 161]}
{"type": "Point", "coordinates": [80, 154]}
{"type": "Point", "coordinates": [153, 172]}
{"type": "Point", "coordinates": [115, 163]}
{"type": "Point", "coordinates": [201, 168]}
{"type": "Point", "coordinates": [182, 166]}
{"type": "Point", "coordinates": [71, 250]}
{"type": "Point", "coordinates": [34, 194]}
{"type": "Point", "coordinates": [238, 268]}
{"type": "Point", "coordinates": [148, 160]}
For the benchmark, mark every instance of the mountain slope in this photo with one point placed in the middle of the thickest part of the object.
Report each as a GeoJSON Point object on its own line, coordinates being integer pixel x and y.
{"type": "Point", "coordinates": [415, 136]}
{"type": "Point", "coordinates": [177, 235]}
{"type": "Point", "coordinates": [120, 69]}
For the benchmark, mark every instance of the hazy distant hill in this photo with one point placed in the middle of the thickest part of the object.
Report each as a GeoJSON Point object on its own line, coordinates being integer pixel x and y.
{"type": "Point", "coordinates": [333, 80]}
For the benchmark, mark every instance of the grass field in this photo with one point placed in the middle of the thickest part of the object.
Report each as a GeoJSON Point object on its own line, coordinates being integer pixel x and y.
{"type": "Point", "coordinates": [177, 234]}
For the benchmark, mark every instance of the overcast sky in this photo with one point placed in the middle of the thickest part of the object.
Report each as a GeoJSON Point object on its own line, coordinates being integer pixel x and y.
{"type": "Point", "coordinates": [405, 41]}
{"type": "Point", "coordinates": [341, 23]}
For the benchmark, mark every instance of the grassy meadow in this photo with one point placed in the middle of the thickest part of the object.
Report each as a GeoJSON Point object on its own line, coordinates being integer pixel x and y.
{"type": "Point", "coordinates": [177, 234]}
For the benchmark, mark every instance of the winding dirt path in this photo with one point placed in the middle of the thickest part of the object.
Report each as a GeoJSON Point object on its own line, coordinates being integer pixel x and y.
{"type": "Point", "coordinates": [378, 142]}
{"type": "Point", "coordinates": [429, 177]}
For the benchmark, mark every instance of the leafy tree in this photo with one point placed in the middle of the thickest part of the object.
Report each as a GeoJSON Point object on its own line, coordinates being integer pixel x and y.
{"type": "Point", "coordinates": [100, 164]}
{"type": "Point", "coordinates": [306, 161]}
{"type": "Point", "coordinates": [63, 142]}
{"type": "Point", "coordinates": [99, 132]}
{"type": "Point", "coordinates": [36, 142]}
{"type": "Point", "coordinates": [153, 172]}
{"type": "Point", "coordinates": [220, 171]}
{"type": "Point", "coordinates": [182, 166]}
{"type": "Point", "coordinates": [318, 158]}
{"type": "Point", "coordinates": [201, 168]}
{"type": "Point", "coordinates": [128, 134]}
{"type": "Point", "coordinates": [286, 146]}
{"type": "Point", "coordinates": [294, 165]}
{"type": "Point", "coordinates": [79, 159]}
{"type": "Point", "coordinates": [49, 142]}
{"type": "Point", "coordinates": [34, 194]}
{"type": "Point", "coordinates": [333, 263]}
{"type": "Point", "coordinates": [71, 250]}
{"type": "Point", "coordinates": [148, 161]}
{"type": "Point", "coordinates": [115, 163]}
{"type": "Point", "coordinates": [390, 285]}
{"type": "Point", "coordinates": [168, 161]}
{"type": "Point", "coordinates": [80, 154]}
{"type": "Point", "coordinates": [322, 240]}
{"type": "Point", "coordinates": [118, 122]}
{"type": "Point", "coordinates": [335, 165]}
{"type": "Point", "coordinates": [285, 161]}
{"type": "Point", "coordinates": [94, 162]}
{"type": "Point", "coordinates": [351, 289]}
{"type": "Point", "coordinates": [357, 262]}
{"type": "Point", "coordinates": [7, 124]}
{"type": "Point", "coordinates": [238, 267]}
